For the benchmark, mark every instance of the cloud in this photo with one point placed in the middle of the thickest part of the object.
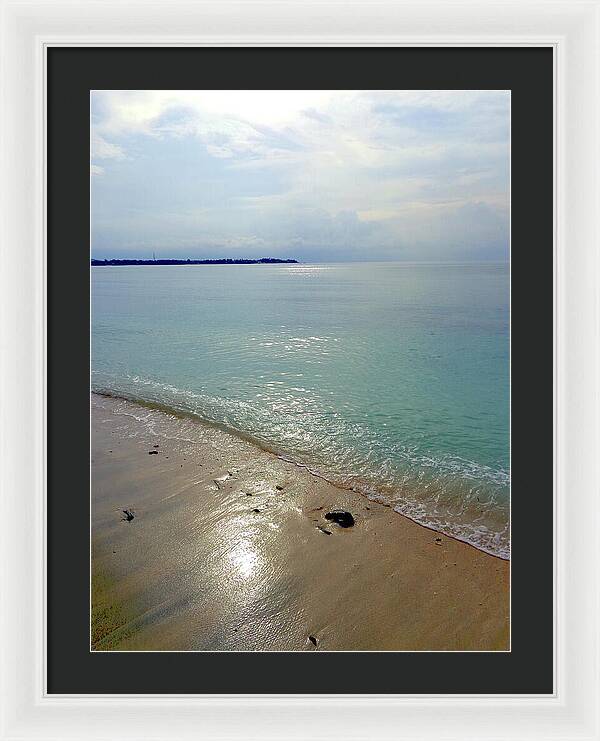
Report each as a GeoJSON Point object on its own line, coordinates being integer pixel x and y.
{"type": "Point", "coordinates": [317, 174]}
{"type": "Point", "coordinates": [102, 149]}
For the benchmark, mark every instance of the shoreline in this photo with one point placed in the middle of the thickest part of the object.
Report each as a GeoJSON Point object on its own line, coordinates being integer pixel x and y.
{"type": "Point", "coordinates": [198, 568]}
{"type": "Point", "coordinates": [270, 450]}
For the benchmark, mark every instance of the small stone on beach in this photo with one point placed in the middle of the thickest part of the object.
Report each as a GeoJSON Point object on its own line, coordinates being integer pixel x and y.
{"type": "Point", "coordinates": [128, 515]}
{"type": "Point", "coordinates": [341, 518]}
{"type": "Point", "coordinates": [153, 452]}
{"type": "Point", "coordinates": [279, 487]}
{"type": "Point", "coordinates": [222, 479]}
{"type": "Point", "coordinates": [313, 640]}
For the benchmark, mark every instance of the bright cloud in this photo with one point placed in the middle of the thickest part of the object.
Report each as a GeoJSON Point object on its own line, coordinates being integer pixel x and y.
{"type": "Point", "coordinates": [317, 175]}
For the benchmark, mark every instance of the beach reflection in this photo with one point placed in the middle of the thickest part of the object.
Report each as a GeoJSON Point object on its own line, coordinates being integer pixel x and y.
{"type": "Point", "coordinates": [244, 557]}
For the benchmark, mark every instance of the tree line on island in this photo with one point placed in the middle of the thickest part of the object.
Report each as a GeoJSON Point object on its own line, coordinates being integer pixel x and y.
{"type": "Point", "coordinates": [222, 261]}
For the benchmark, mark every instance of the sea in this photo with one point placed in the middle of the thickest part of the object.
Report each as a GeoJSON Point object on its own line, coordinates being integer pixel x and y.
{"type": "Point", "coordinates": [392, 379]}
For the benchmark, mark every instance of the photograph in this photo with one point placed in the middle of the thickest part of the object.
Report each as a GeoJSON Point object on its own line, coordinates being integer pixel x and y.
{"type": "Point", "coordinates": [300, 377]}
{"type": "Point", "coordinates": [299, 402]}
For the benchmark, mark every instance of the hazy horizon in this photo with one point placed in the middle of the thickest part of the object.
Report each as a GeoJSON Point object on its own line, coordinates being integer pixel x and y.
{"type": "Point", "coordinates": [316, 176]}
{"type": "Point", "coordinates": [140, 256]}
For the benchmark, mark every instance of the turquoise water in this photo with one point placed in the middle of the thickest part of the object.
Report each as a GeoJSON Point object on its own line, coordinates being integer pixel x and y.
{"type": "Point", "coordinates": [391, 378]}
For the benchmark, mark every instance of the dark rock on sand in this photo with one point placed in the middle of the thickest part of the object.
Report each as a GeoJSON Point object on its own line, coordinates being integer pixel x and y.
{"type": "Point", "coordinates": [341, 518]}
{"type": "Point", "coordinates": [153, 452]}
{"type": "Point", "coordinates": [313, 640]}
{"type": "Point", "coordinates": [128, 515]}
{"type": "Point", "coordinates": [256, 510]}
{"type": "Point", "coordinates": [279, 487]}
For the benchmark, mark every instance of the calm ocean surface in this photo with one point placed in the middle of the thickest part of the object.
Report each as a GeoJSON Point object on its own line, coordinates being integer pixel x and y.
{"type": "Point", "coordinates": [392, 378]}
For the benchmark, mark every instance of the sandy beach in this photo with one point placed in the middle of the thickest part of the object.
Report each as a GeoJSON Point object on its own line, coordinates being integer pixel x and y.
{"type": "Point", "coordinates": [203, 541]}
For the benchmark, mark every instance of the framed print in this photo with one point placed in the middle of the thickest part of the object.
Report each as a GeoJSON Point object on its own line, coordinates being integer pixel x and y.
{"type": "Point", "coordinates": [301, 404]}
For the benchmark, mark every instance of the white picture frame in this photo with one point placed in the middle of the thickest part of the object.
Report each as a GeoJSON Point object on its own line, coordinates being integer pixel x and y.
{"type": "Point", "coordinates": [572, 28]}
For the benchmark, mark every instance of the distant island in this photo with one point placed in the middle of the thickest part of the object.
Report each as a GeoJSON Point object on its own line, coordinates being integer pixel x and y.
{"type": "Point", "coordinates": [222, 261]}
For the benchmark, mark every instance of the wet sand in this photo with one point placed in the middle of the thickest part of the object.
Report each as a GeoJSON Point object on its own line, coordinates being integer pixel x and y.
{"type": "Point", "coordinates": [228, 549]}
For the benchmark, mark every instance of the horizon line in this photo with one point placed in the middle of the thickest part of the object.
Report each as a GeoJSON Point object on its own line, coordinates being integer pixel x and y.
{"type": "Point", "coordinates": [289, 260]}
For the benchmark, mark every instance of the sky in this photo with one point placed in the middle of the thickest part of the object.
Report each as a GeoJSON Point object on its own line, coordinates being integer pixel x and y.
{"type": "Point", "coordinates": [313, 175]}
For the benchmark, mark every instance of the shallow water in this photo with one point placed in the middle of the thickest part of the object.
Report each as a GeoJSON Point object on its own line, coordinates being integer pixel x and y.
{"type": "Point", "coordinates": [392, 378]}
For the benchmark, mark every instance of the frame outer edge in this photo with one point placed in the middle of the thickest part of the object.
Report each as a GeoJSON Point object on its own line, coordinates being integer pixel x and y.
{"type": "Point", "coordinates": [26, 711]}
